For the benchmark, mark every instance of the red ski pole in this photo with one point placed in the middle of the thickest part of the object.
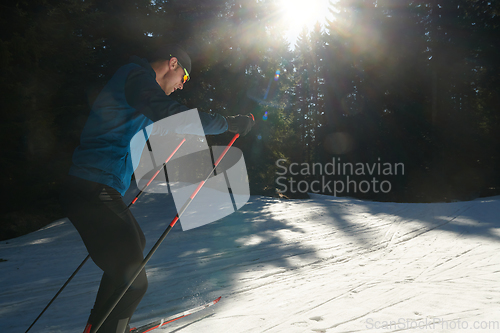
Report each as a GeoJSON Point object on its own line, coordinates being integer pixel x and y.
{"type": "Point", "coordinates": [112, 305]}
{"type": "Point", "coordinates": [88, 256]}
{"type": "Point", "coordinates": [156, 174]}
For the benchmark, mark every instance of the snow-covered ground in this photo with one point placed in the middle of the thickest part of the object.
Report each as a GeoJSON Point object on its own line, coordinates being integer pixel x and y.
{"type": "Point", "coordinates": [320, 265]}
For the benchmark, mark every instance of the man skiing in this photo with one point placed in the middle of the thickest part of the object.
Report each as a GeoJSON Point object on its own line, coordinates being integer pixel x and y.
{"type": "Point", "coordinates": [135, 97]}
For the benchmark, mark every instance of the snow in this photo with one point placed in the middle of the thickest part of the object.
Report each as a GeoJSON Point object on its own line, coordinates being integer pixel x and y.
{"type": "Point", "coordinates": [323, 264]}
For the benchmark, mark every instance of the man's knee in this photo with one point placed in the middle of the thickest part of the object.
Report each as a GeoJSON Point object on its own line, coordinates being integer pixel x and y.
{"type": "Point", "coordinates": [140, 284]}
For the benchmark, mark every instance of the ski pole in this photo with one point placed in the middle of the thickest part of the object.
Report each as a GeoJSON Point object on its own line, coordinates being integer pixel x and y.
{"type": "Point", "coordinates": [160, 240]}
{"type": "Point", "coordinates": [88, 256]}
{"type": "Point", "coordinates": [156, 174]}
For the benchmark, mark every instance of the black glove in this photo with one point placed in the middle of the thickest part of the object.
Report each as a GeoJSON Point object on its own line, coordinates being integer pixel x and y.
{"type": "Point", "coordinates": [240, 124]}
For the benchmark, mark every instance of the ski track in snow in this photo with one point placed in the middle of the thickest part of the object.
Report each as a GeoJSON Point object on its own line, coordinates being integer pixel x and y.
{"type": "Point", "coordinates": [319, 265]}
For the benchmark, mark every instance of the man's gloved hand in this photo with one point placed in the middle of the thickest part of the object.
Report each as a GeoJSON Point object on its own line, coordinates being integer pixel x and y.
{"type": "Point", "coordinates": [240, 124]}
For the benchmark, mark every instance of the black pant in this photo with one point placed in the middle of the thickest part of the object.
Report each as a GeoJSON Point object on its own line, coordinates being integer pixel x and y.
{"type": "Point", "coordinates": [115, 243]}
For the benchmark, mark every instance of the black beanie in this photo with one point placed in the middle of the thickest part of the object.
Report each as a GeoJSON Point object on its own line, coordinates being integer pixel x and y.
{"type": "Point", "coordinates": [168, 51]}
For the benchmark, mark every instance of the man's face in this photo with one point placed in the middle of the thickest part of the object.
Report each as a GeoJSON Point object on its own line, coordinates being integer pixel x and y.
{"type": "Point", "coordinates": [172, 78]}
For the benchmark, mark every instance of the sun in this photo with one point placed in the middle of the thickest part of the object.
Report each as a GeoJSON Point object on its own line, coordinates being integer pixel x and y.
{"type": "Point", "coordinates": [300, 13]}
{"type": "Point", "coordinates": [297, 14]}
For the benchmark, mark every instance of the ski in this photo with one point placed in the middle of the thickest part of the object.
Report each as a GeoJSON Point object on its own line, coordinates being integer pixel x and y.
{"type": "Point", "coordinates": [158, 323]}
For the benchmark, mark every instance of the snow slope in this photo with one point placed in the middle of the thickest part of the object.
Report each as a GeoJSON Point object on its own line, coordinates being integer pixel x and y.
{"type": "Point", "coordinates": [320, 265]}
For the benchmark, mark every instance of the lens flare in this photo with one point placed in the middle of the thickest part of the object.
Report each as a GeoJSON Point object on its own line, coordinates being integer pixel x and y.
{"type": "Point", "coordinates": [277, 75]}
{"type": "Point", "coordinates": [338, 143]}
{"type": "Point", "coordinates": [264, 117]}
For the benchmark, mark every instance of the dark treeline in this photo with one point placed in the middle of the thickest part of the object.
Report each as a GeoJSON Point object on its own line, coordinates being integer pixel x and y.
{"type": "Point", "coordinates": [388, 81]}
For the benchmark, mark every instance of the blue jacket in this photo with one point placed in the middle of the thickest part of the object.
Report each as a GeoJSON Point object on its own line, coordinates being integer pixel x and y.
{"type": "Point", "coordinates": [129, 102]}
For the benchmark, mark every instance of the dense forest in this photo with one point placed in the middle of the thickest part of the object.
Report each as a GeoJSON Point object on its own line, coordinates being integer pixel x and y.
{"type": "Point", "coordinates": [382, 84]}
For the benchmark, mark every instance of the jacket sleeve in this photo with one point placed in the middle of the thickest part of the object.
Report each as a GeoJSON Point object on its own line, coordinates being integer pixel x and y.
{"type": "Point", "coordinates": [145, 95]}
